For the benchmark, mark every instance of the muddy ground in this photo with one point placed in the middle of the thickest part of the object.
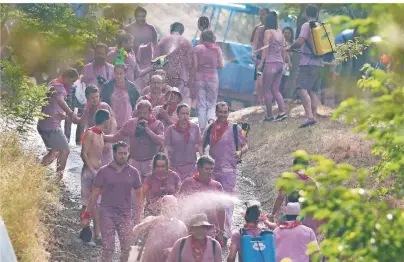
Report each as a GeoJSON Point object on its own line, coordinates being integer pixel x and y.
{"type": "Point", "coordinates": [271, 146]}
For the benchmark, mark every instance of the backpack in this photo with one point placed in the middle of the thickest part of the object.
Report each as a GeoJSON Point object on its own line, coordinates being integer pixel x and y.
{"type": "Point", "coordinates": [207, 138]}
{"type": "Point", "coordinates": [326, 57]}
{"type": "Point", "coordinates": [182, 247]}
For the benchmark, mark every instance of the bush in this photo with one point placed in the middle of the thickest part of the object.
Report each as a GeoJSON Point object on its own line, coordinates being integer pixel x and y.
{"type": "Point", "coordinates": [26, 198]}
{"type": "Point", "coordinates": [21, 100]}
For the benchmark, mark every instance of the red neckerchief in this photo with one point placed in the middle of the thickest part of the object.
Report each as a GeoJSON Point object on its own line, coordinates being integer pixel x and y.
{"type": "Point", "coordinates": [198, 248]}
{"type": "Point", "coordinates": [302, 176]}
{"type": "Point", "coordinates": [216, 134]}
{"type": "Point", "coordinates": [184, 131]}
{"type": "Point", "coordinates": [250, 225]}
{"type": "Point", "coordinates": [59, 80]}
{"type": "Point", "coordinates": [95, 129]}
{"type": "Point", "coordinates": [160, 100]}
{"type": "Point", "coordinates": [151, 120]}
{"type": "Point", "coordinates": [290, 224]}
{"type": "Point", "coordinates": [196, 177]}
{"type": "Point", "coordinates": [89, 106]}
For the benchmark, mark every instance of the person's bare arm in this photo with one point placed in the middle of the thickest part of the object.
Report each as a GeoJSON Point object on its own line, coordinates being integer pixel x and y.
{"type": "Point", "coordinates": [232, 253]}
{"type": "Point", "coordinates": [62, 103]}
{"type": "Point", "coordinates": [267, 38]}
{"type": "Point", "coordinates": [278, 203]}
{"type": "Point", "coordinates": [139, 205]}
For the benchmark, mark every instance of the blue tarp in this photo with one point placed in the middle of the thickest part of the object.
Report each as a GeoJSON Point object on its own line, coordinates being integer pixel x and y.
{"type": "Point", "coordinates": [238, 72]}
{"type": "Point", "coordinates": [344, 36]}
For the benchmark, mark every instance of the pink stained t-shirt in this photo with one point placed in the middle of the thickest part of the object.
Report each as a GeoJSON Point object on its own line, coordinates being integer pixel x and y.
{"type": "Point", "coordinates": [180, 152]}
{"type": "Point", "coordinates": [120, 104]}
{"type": "Point", "coordinates": [293, 243]}
{"type": "Point", "coordinates": [223, 151]}
{"type": "Point", "coordinates": [117, 187]}
{"type": "Point", "coordinates": [187, 255]}
{"type": "Point", "coordinates": [90, 73]}
{"type": "Point", "coordinates": [51, 123]}
{"type": "Point", "coordinates": [207, 61]}
{"type": "Point", "coordinates": [133, 68]}
{"type": "Point", "coordinates": [141, 148]}
{"type": "Point", "coordinates": [306, 58]}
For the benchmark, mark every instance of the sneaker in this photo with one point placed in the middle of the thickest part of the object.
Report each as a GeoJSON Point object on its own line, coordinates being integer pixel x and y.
{"type": "Point", "coordinates": [98, 240]}
{"type": "Point", "coordinates": [269, 119]}
{"type": "Point", "coordinates": [281, 117]}
{"type": "Point", "coordinates": [307, 123]}
{"type": "Point", "coordinates": [89, 244]}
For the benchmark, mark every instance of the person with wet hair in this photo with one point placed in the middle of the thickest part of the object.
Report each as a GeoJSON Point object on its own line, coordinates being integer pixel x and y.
{"type": "Point", "coordinates": [99, 71]}
{"type": "Point", "coordinates": [182, 142]}
{"type": "Point", "coordinates": [146, 137]}
{"type": "Point", "coordinates": [202, 181]}
{"type": "Point", "coordinates": [180, 59]}
{"type": "Point", "coordinates": [121, 94]}
{"type": "Point", "coordinates": [208, 58]}
{"type": "Point", "coordinates": [160, 182]}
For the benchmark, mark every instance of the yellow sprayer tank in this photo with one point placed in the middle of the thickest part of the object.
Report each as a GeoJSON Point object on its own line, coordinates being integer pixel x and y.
{"type": "Point", "coordinates": [323, 38]}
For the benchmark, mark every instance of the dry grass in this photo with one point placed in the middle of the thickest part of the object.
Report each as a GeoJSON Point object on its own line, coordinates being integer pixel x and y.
{"type": "Point", "coordinates": [272, 144]}
{"type": "Point", "coordinates": [26, 198]}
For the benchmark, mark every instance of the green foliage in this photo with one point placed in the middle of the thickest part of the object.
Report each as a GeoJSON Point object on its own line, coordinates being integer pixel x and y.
{"type": "Point", "coordinates": [350, 49]}
{"type": "Point", "coordinates": [359, 227]}
{"type": "Point", "coordinates": [50, 36]}
{"type": "Point", "coordinates": [21, 100]}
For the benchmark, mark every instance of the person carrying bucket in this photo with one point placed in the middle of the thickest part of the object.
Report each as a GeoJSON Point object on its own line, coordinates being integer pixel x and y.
{"type": "Point", "coordinates": [251, 229]}
{"type": "Point", "coordinates": [292, 233]}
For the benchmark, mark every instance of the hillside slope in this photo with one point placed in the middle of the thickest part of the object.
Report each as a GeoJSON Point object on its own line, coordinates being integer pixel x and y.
{"type": "Point", "coordinates": [271, 146]}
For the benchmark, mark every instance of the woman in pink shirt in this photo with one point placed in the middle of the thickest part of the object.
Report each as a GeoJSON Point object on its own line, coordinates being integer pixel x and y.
{"type": "Point", "coordinates": [182, 142]}
{"type": "Point", "coordinates": [160, 182]}
{"type": "Point", "coordinates": [273, 63]}
{"type": "Point", "coordinates": [208, 58]}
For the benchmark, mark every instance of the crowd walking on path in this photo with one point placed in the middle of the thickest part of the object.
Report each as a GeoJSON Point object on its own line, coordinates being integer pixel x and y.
{"type": "Point", "coordinates": [142, 154]}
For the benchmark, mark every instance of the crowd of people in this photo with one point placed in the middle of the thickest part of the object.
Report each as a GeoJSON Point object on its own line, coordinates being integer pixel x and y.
{"type": "Point", "coordinates": [140, 150]}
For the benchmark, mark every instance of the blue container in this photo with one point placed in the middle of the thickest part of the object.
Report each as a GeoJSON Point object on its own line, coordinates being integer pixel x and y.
{"type": "Point", "coordinates": [258, 248]}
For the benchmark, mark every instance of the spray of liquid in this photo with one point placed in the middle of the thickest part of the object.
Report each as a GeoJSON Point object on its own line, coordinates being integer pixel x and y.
{"type": "Point", "coordinates": [204, 202]}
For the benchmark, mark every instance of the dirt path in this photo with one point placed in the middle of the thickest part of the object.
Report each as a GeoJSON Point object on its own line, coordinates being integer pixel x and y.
{"type": "Point", "coordinates": [68, 248]}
